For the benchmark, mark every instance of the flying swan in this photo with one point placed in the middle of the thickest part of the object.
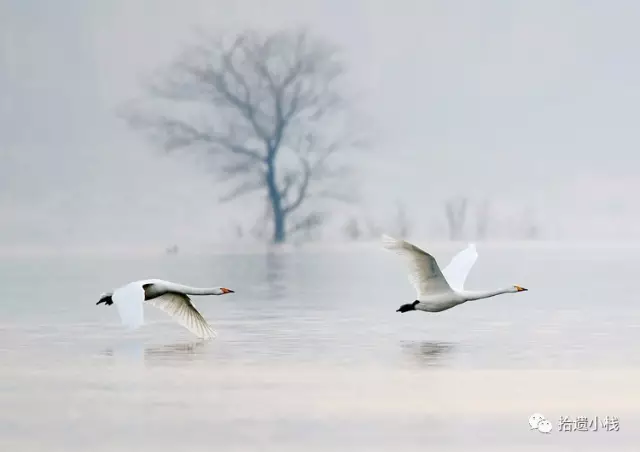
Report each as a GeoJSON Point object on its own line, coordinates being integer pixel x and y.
{"type": "Point", "coordinates": [439, 290]}
{"type": "Point", "coordinates": [172, 298]}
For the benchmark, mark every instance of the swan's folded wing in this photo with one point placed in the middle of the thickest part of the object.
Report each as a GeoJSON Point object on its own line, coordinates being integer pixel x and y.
{"type": "Point", "coordinates": [128, 301]}
{"type": "Point", "coordinates": [179, 306]}
{"type": "Point", "coordinates": [458, 269]}
{"type": "Point", "coordinates": [424, 273]}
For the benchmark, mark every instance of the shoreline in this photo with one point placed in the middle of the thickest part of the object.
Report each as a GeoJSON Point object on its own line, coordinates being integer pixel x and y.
{"type": "Point", "coordinates": [120, 250]}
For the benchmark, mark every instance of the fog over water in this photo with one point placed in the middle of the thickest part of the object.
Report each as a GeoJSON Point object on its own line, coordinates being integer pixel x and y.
{"type": "Point", "coordinates": [525, 111]}
{"type": "Point", "coordinates": [528, 105]}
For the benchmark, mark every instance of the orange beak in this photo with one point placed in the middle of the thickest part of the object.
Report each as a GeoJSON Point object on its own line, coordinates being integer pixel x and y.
{"type": "Point", "coordinates": [520, 289]}
{"type": "Point", "coordinates": [225, 290]}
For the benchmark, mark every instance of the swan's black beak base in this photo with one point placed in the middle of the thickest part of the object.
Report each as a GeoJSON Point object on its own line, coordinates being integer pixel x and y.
{"type": "Point", "coordinates": [408, 307]}
{"type": "Point", "coordinates": [106, 300]}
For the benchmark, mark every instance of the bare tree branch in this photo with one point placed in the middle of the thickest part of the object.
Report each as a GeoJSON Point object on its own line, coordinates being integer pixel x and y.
{"type": "Point", "coordinates": [336, 196]}
{"type": "Point", "coordinates": [456, 211]}
{"type": "Point", "coordinates": [230, 170]}
{"type": "Point", "coordinates": [243, 189]}
{"type": "Point", "coordinates": [352, 229]}
{"type": "Point", "coordinates": [482, 220]}
{"type": "Point", "coordinates": [270, 109]}
{"type": "Point", "coordinates": [402, 222]}
{"type": "Point", "coordinates": [302, 188]}
{"type": "Point", "coordinates": [308, 222]}
{"type": "Point", "coordinates": [180, 134]}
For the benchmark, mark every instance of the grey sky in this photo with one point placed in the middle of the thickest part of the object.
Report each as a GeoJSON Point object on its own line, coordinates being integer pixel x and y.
{"type": "Point", "coordinates": [529, 104]}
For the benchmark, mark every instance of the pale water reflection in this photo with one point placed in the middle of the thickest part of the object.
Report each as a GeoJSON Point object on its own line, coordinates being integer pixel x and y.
{"type": "Point", "coordinates": [311, 355]}
{"type": "Point", "coordinates": [177, 351]}
{"type": "Point", "coordinates": [180, 351]}
{"type": "Point", "coordinates": [428, 353]}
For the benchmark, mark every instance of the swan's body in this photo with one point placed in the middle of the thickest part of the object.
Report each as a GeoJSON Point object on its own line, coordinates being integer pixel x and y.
{"type": "Point", "coordinates": [170, 297]}
{"type": "Point", "coordinates": [439, 290]}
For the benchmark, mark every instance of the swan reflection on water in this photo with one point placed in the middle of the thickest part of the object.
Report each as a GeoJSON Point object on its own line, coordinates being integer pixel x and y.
{"type": "Point", "coordinates": [179, 350]}
{"type": "Point", "coordinates": [428, 353]}
{"type": "Point", "coordinates": [171, 352]}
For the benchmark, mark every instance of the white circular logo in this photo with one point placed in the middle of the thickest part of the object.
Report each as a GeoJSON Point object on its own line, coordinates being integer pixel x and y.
{"type": "Point", "coordinates": [538, 422]}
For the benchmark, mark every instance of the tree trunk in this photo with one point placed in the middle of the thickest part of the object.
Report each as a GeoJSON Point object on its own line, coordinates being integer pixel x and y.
{"type": "Point", "coordinates": [279, 232]}
{"type": "Point", "coordinates": [279, 235]}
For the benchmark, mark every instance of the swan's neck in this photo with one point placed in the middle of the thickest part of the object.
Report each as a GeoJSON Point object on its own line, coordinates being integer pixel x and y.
{"type": "Point", "coordinates": [193, 290]}
{"type": "Point", "coordinates": [479, 294]}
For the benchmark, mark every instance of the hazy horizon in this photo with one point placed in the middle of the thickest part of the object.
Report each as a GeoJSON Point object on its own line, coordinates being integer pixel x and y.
{"type": "Point", "coordinates": [526, 105]}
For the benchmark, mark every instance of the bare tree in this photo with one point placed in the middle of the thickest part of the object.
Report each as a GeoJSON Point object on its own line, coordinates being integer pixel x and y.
{"type": "Point", "coordinates": [373, 230]}
{"type": "Point", "coordinates": [308, 225]}
{"type": "Point", "coordinates": [482, 220]}
{"type": "Point", "coordinates": [456, 212]}
{"type": "Point", "coordinates": [270, 109]}
{"type": "Point", "coordinates": [352, 229]}
{"type": "Point", "coordinates": [402, 222]}
{"type": "Point", "coordinates": [529, 226]}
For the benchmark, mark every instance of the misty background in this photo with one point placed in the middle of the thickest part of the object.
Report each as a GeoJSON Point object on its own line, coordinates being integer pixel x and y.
{"type": "Point", "coordinates": [530, 107]}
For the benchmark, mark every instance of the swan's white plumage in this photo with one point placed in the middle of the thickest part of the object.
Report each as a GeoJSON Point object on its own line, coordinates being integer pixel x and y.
{"type": "Point", "coordinates": [170, 297]}
{"type": "Point", "coordinates": [128, 300]}
{"type": "Point", "coordinates": [458, 269]}
{"type": "Point", "coordinates": [179, 306]}
{"type": "Point", "coordinates": [440, 290]}
{"type": "Point", "coordinates": [424, 273]}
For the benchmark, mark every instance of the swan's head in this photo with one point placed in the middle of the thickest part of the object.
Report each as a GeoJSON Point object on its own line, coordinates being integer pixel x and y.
{"type": "Point", "coordinates": [519, 289]}
{"type": "Point", "coordinates": [224, 290]}
{"type": "Point", "coordinates": [106, 299]}
{"type": "Point", "coordinates": [408, 307]}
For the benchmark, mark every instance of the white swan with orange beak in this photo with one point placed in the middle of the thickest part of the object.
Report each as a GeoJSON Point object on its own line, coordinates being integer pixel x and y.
{"type": "Point", "coordinates": [170, 297]}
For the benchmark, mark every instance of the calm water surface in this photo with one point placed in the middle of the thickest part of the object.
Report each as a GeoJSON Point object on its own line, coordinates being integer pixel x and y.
{"type": "Point", "coordinates": [311, 354]}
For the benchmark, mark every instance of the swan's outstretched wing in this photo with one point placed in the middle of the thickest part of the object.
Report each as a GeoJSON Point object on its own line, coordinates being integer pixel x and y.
{"type": "Point", "coordinates": [179, 306]}
{"type": "Point", "coordinates": [424, 273]}
{"type": "Point", "coordinates": [458, 269]}
{"type": "Point", "coordinates": [128, 300]}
